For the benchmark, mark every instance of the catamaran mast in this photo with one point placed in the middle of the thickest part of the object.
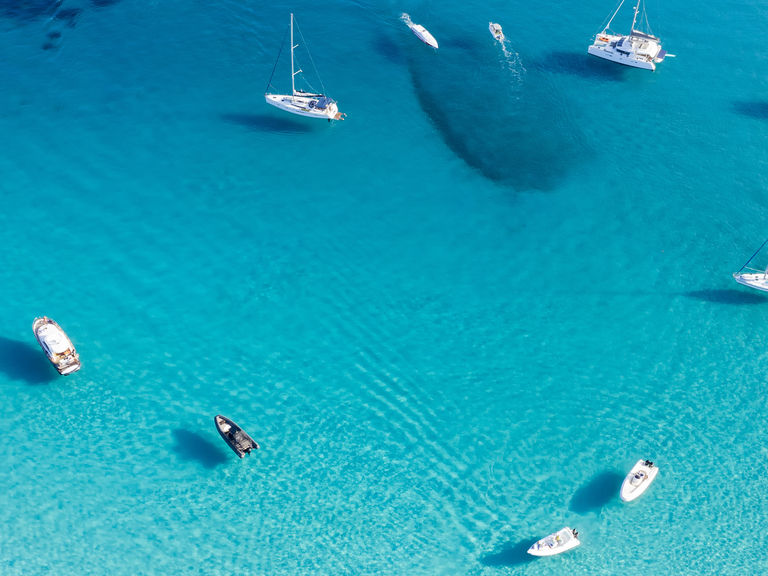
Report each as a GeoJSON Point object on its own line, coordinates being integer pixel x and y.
{"type": "Point", "coordinates": [607, 26]}
{"type": "Point", "coordinates": [637, 7]}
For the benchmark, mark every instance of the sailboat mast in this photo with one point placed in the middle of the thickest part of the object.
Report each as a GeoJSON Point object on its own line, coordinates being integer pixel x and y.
{"type": "Point", "coordinates": [293, 74]}
{"type": "Point", "coordinates": [637, 7]}
{"type": "Point", "coordinates": [607, 26]}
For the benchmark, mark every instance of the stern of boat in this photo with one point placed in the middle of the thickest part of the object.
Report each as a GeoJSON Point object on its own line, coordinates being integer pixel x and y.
{"type": "Point", "coordinates": [68, 367]}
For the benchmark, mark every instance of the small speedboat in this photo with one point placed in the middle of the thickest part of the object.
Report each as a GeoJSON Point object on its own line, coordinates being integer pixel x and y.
{"type": "Point", "coordinates": [496, 31]}
{"type": "Point", "coordinates": [56, 345]}
{"type": "Point", "coordinates": [233, 435]}
{"type": "Point", "coordinates": [556, 543]}
{"type": "Point", "coordinates": [638, 480]}
{"type": "Point", "coordinates": [420, 32]}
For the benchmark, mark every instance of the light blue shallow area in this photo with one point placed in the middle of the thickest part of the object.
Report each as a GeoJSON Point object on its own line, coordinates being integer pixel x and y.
{"type": "Point", "coordinates": [453, 321]}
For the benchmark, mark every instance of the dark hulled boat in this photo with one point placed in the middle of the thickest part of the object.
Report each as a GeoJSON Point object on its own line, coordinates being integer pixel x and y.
{"type": "Point", "coordinates": [233, 435]}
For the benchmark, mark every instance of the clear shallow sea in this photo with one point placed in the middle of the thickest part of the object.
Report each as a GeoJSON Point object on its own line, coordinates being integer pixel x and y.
{"type": "Point", "coordinates": [453, 322]}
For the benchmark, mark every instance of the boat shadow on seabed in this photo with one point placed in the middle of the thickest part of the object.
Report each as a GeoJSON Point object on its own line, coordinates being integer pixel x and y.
{"type": "Point", "coordinates": [511, 554]}
{"type": "Point", "coordinates": [753, 109]}
{"type": "Point", "coordinates": [193, 446]}
{"type": "Point", "coordinates": [268, 123]}
{"type": "Point", "coordinates": [730, 296]}
{"type": "Point", "coordinates": [596, 493]}
{"type": "Point", "coordinates": [22, 361]}
{"type": "Point", "coordinates": [583, 65]}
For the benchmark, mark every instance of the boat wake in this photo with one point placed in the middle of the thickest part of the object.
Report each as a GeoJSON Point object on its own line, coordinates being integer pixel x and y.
{"type": "Point", "coordinates": [512, 60]}
{"type": "Point", "coordinates": [405, 17]}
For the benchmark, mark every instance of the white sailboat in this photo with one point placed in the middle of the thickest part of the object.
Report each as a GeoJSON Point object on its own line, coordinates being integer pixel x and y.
{"type": "Point", "coordinates": [753, 277]}
{"type": "Point", "coordinates": [638, 49]}
{"type": "Point", "coordinates": [310, 104]}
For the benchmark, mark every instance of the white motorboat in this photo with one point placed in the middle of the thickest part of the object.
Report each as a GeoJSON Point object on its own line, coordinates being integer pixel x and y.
{"type": "Point", "coordinates": [311, 104]}
{"type": "Point", "coordinates": [637, 49]}
{"type": "Point", "coordinates": [638, 480]}
{"type": "Point", "coordinates": [754, 278]}
{"type": "Point", "coordinates": [420, 32]}
{"type": "Point", "coordinates": [556, 543]}
{"type": "Point", "coordinates": [56, 345]}
{"type": "Point", "coordinates": [496, 31]}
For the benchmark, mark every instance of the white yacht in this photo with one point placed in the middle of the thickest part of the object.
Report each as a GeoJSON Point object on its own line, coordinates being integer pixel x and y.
{"type": "Point", "coordinates": [496, 31]}
{"type": "Point", "coordinates": [638, 480]}
{"type": "Point", "coordinates": [637, 49]}
{"type": "Point", "coordinates": [556, 543]}
{"type": "Point", "coordinates": [754, 277]}
{"type": "Point", "coordinates": [420, 32]}
{"type": "Point", "coordinates": [310, 104]}
{"type": "Point", "coordinates": [56, 345]}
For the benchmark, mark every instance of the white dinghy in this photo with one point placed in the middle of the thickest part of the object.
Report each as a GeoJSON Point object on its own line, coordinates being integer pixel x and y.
{"type": "Point", "coordinates": [496, 31]}
{"type": "Point", "coordinates": [420, 32]}
{"type": "Point", "coordinates": [556, 543]}
{"type": "Point", "coordinates": [638, 480]}
{"type": "Point", "coordinates": [310, 104]}
{"type": "Point", "coordinates": [754, 277]}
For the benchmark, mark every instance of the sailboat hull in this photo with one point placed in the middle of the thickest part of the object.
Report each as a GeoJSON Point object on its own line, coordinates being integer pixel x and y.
{"type": "Point", "coordinates": [756, 281]}
{"type": "Point", "coordinates": [303, 106]}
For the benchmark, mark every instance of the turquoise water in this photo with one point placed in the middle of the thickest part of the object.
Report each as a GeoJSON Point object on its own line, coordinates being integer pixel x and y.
{"type": "Point", "coordinates": [453, 322]}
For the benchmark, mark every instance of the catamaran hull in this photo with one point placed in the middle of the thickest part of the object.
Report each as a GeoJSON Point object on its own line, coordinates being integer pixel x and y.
{"type": "Point", "coordinates": [302, 106]}
{"type": "Point", "coordinates": [619, 58]}
{"type": "Point", "coordinates": [756, 281]}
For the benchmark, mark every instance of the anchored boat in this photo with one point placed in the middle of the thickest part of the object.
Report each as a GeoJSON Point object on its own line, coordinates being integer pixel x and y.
{"type": "Point", "coordinates": [754, 277]}
{"type": "Point", "coordinates": [637, 49]}
{"type": "Point", "coordinates": [234, 436]}
{"type": "Point", "coordinates": [556, 543]}
{"type": "Point", "coordinates": [310, 104]}
{"type": "Point", "coordinates": [637, 481]}
{"type": "Point", "coordinates": [56, 345]}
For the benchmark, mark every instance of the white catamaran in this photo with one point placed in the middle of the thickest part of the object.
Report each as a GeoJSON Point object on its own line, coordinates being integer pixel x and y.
{"type": "Point", "coordinates": [753, 277]}
{"type": "Point", "coordinates": [638, 49]}
{"type": "Point", "coordinates": [310, 104]}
